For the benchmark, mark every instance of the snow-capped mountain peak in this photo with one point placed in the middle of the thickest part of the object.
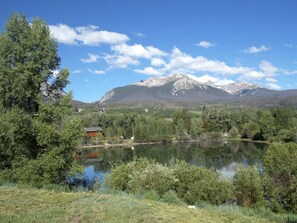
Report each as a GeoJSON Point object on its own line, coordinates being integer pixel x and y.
{"type": "Point", "coordinates": [189, 81]}
{"type": "Point", "coordinates": [237, 86]}
{"type": "Point", "coordinates": [159, 81]}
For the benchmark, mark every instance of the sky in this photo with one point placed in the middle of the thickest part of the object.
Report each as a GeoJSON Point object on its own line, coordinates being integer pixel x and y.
{"type": "Point", "coordinates": [112, 43]}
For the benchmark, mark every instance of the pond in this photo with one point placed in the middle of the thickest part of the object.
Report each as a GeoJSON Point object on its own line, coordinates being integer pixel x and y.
{"type": "Point", "coordinates": [226, 157]}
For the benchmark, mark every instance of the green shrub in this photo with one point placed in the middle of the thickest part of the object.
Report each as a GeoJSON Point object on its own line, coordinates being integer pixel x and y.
{"type": "Point", "coordinates": [151, 195]}
{"type": "Point", "coordinates": [280, 163]}
{"type": "Point", "coordinates": [249, 188]}
{"type": "Point", "coordinates": [233, 132]}
{"type": "Point", "coordinates": [154, 177]}
{"type": "Point", "coordinates": [171, 198]}
{"type": "Point", "coordinates": [198, 184]}
{"type": "Point", "coordinates": [119, 177]}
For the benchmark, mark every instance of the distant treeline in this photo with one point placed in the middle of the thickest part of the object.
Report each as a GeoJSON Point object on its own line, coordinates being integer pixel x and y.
{"type": "Point", "coordinates": [163, 125]}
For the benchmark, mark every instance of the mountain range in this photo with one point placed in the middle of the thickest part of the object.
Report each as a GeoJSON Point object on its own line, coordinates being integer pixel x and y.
{"type": "Point", "coordinates": [187, 90]}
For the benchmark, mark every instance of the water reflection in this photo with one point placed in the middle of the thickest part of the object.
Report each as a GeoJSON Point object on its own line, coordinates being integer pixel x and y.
{"type": "Point", "coordinates": [226, 157]}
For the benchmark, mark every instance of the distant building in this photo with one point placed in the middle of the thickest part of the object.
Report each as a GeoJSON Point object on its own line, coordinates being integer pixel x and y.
{"type": "Point", "coordinates": [93, 131]}
{"type": "Point", "coordinates": [80, 109]}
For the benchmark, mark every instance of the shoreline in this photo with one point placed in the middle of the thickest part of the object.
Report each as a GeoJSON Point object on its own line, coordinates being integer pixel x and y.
{"type": "Point", "coordinates": [106, 145]}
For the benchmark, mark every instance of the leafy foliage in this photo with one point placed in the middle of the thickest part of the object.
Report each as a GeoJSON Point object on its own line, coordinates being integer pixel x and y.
{"type": "Point", "coordinates": [281, 167]}
{"type": "Point", "coordinates": [198, 184]}
{"type": "Point", "coordinates": [249, 188]}
{"type": "Point", "coordinates": [37, 134]}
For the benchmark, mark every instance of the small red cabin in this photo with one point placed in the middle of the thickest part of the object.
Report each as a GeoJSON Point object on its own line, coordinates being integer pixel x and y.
{"type": "Point", "coordinates": [93, 131]}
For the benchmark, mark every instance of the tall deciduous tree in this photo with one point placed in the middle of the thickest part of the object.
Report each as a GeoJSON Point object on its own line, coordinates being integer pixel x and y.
{"type": "Point", "coordinates": [37, 135]}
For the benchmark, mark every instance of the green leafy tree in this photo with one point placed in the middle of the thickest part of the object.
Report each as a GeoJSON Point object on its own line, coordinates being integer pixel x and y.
{"type": "Point", "coordinates": [249, 187]}
{"type": "Point", "coordinates": [37, 135]}
{"type": "Point", "coordinates": [251, 130]}
{"type": "Point", "coordinates": [184, 115]}
{"type": "Point", "coordinates": [280, 163]}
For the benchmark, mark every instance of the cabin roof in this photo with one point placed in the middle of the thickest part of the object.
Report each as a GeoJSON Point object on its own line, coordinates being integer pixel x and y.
{"type": "Point", "coordinates": [93, 129]}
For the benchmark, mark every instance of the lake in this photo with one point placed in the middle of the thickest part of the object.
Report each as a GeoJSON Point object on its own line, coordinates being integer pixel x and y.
{"type": "Point", "coordinates": [226, 157]}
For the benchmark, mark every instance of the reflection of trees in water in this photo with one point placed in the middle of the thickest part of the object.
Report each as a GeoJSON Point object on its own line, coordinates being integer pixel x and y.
{"type": "Point", "coordinates": [212, 154]}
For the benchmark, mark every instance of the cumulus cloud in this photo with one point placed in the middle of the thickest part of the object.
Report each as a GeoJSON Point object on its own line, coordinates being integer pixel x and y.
{"type": "Point", "coordinates": [205, 44]}
{"type": "Point", "coordinates": [206, 78]}
{"type": "Point", "coordinates": [63, 34]}
{"type": "Point", "coordinates": [149, 71]}
{"type": "Point", "coordinates": [125, 55]}
{"type": "Point", "coordinates": [273, 86]}
{"type": "Point", "coordinates": [91, 59]}
{"type": "Point", "coordinates": [120, 61]}
{"type": "Point", "coordinates": [138, 51]}
{"type": "Point", "coordinates": [267, 68]}
{"type": "Point", "coordinates": [180, 62]}
{"type": "Point", "coordinates": [96, 71]}
{"type": "Point", "coordinates": [87, 35]}
{"type": "Point", "coordinates": [157, 62]}
{"type": "Point", "coordinates": [254, 50]}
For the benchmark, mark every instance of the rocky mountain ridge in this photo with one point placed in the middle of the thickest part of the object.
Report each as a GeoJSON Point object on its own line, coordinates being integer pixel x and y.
{"type": "Point", "coordinates": [184, 89]}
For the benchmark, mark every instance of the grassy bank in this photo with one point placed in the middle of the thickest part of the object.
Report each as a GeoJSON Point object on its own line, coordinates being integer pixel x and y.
{"type": "Point", "coordinates": [37, 205]}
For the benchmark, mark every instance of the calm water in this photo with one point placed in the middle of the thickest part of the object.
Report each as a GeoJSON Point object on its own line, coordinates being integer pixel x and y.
{"type": "Point", "coordinates": [226, 157]}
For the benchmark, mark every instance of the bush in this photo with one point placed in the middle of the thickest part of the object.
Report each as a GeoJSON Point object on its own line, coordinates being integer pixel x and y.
{"type": "Point", "coordinates": [151, 195]}
{"type": "Point", "coordinates": [119, 177]}
{"type": "Point", "coordinates": [171, 198]}
{"type": "Point", "coordinates": [154, 177]}
{"type": "Point", "coordinates": [199, 184]}
{"type": "Point", "coordinates": [249, 188]}
{"type": "Point", "coordinates": [233, 132]}
{"type": "Point", "coordinates": [280, 163]}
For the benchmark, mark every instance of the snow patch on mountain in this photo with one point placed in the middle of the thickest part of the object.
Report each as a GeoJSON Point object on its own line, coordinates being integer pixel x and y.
{"type": "Point", "coordinates": [237, 87]}
{"type": "Point", "coordinates": [185, 83]}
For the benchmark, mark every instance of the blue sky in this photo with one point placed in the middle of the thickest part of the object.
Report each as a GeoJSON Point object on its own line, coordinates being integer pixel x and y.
{"type": "Point", "coordinates": [112, 43]}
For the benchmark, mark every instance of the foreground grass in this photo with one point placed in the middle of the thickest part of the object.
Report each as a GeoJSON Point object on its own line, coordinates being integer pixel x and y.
{"type": "Point", "coordinates": [36, 205]}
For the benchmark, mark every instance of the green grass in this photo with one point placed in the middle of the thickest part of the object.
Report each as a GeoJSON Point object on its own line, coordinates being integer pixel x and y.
{"type": "Point", "coordinates": [40, 205]}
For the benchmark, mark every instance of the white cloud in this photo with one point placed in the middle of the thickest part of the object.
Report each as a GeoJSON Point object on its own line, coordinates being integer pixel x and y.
{"type": "Point", "coordinates": [76, 71]}
{"type": "Point", "coordinates": [267, 68]}
{"type": "Point", "coordinates": [96, 71]}
{"type": "Point", "coordinates": [270, 80]}
{"type": "Point", "coordinates": [205, 44]}
{"type": "Point", "coordinates": [125, 55]}
{"type": "Point", "coordinates": [87, 35]}
{"type": "Point", "coordinates": [288, 72]}
{"type": "Point", "coordinates": [273, 86]}
{"type": "Point", "coordinates": [139, 34]}
{"type": "Point", "coordinates": [138, 51]}
{"type": "Point", "coordinates": [217, 81]}
{"type": "Point", "coordinates": [149, 71]}
{"type": "Point", "coordinates": [157, 62]}
{"type": "Point", "coordinates": [64, 34]}
{"type": "Point", "coordinates": [120, 61]}
{"type": "Point", "coordinates": [180, 62]}
{"type": "Point", "coordinates": [253, 49]}
{"type": "Point", "coordinates": [91, 59]}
